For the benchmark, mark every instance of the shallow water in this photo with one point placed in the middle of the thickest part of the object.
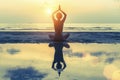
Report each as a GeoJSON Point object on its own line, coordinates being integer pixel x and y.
{"type": "Point", "coordinates": [84, 61]}
{"type": "Point", "coordinates": [68, 27]}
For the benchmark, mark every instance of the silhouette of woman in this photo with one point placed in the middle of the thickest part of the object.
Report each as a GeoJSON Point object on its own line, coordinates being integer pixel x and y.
{"type": "Point", "coordinates": [59, 18]}
{"type": "Point", "coordinates": [58, 56]}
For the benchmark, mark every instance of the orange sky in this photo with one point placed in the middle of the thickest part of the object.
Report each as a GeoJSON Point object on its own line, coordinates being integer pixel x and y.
{"type": "Point", "coordinates": [77, 10]}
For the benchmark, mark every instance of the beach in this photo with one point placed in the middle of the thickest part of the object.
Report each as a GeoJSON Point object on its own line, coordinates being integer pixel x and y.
{"type": "Point", "coordinates": [59, 40]}
{"type": "Point", "coordinates": [26, 49]}
{"type": "Point", "coordinates": [28, 61]}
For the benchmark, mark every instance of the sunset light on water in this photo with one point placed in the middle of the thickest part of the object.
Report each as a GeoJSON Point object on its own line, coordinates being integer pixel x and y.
{"type": "Point", "coordinates": [59, 39]}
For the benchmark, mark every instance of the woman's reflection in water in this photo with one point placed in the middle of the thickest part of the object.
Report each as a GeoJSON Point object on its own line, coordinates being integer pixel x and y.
{"type": "Point", "coordinates": [59, 64]}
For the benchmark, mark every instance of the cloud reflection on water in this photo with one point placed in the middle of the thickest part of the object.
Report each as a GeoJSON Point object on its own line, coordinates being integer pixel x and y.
{"type": "Point", "coordinates": [83, 61]}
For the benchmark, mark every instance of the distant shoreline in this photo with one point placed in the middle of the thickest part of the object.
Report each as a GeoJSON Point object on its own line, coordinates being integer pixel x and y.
{"type": "Point", "coordinates": [75, 37]}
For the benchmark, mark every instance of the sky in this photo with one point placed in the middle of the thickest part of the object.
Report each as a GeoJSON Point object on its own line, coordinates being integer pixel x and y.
{"type": "Point", "coordinates": [78, 11]}
{"type": "Point", "coordinates": [103, 62]}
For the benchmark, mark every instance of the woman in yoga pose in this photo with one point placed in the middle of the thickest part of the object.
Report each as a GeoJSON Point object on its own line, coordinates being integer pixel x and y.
{"type": "Point", "coordinates": [59, 18]}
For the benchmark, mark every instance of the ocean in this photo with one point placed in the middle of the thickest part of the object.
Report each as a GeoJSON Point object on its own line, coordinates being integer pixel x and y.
{"type": "Point", "coordinates": [68, 27]}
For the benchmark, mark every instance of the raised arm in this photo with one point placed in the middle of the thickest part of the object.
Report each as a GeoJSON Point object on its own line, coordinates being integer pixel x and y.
{"type": "Point", "coordinates": [65, 15]}
{"type": "Point", "coordinates": [53, 65]}
{"type": "Point", "coordinates": [53, 14]}
{"type": "Point", "coordinates": [64, 65]}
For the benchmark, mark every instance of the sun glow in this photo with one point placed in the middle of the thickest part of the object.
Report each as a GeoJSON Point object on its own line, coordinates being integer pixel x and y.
{"type": "Point", "coordinates": [49, 11]}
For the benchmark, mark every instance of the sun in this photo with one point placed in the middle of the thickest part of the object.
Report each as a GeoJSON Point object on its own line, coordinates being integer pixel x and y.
{"type": "Point", "coordinates": [49, 11]}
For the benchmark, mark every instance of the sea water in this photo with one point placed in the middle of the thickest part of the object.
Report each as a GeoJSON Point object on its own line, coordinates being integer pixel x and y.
{"type": "Point", "coordinates": [68, 27]}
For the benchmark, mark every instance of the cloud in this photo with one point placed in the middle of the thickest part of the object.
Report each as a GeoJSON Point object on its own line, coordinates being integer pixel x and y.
{"type": "Point", "coordinates": [70, 54]}
{"type": "Point", "coordinates": [97, 54]}
{"type": "Point", "coordinates": [76, 55]}
{"type": "Point", "coordinates": [108, 54]}
{"type": "Point", "coordinates": [106, 57]}
{"type": "Point", "coordinates": [109, 60]}
{"type": "Point", "coordinates": [24, 74]}
{"type": "Point", "coordinates": [13, 51]}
